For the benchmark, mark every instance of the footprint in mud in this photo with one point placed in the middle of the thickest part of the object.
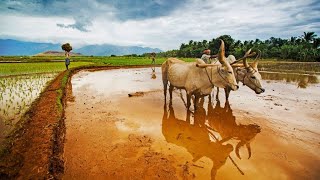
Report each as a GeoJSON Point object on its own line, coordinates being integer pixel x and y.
{"type": "Point", "coordinates": [140, 141]}
{"type": "Point", "coordinates": [136, 94]}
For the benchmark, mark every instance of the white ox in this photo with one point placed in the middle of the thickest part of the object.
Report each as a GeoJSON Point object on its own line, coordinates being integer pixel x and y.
{"type": "Point", "coordinates": [197, 78]}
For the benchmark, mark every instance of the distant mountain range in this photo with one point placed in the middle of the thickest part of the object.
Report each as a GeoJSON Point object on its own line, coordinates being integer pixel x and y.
{"type": "Point", "coordinates": [57, 53]}
{"type": "Point", "coordinates": [9, 47]}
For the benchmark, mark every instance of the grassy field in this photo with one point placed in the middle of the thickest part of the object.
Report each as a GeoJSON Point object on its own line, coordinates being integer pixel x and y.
{"type": "Point", "coordinates": [42, 64]}
{"type": "Point", "coordinates": [15, 65]}
{"type": "Point", "coordinates": [7, 69]}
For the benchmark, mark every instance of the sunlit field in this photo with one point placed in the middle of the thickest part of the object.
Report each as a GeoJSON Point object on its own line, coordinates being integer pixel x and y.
{"type": "Point", "coordinates": [7, 69]}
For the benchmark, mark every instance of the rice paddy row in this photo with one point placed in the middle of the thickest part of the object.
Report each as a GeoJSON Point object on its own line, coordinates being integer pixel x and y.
{"type": "Point", "coordinates": [16, 96]}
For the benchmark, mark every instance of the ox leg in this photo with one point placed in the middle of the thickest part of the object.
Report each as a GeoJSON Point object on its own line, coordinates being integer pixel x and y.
{"type": "Point", "coordinates": [217, 95]}
{"type": "Point", "coordinates": [201, 101]}
{"type": "Point", "coordinates": [165, 86]}
{"type": "Point", "coordinates": [188, 101]}
{"type": "Point", "coordinates": [196, 101]}
{"type": "Point", "coordinates": [188, 117]}
{"type": "Point", "coordinates": [227, 92]}
{"type": "Point", "coordinates": [170, 92]}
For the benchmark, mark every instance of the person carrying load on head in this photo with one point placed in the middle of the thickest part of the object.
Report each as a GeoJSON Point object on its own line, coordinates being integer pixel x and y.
{"type": "Point", "coordinates": [67, 48]}
{"type": "Point", "coordinates": [67, 60]}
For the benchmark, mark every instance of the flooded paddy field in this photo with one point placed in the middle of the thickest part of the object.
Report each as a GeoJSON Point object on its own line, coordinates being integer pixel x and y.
{"type": "Point", "coordinates": [16, 96]}
{"type": "Point", "coordinates": [274, 135]}
{"type": "Point", "coordinates": [295, 67]}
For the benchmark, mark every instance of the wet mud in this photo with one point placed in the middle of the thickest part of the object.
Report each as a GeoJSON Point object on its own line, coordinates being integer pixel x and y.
{"type": "Point", "coordinates": [110, 135]}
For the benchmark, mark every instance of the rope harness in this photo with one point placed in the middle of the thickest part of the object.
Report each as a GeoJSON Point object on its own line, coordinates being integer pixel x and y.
{"type": "Point", "coordinates": [210, 79]}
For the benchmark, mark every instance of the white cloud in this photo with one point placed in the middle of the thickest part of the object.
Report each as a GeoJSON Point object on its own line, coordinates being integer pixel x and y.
{"type": "Point", "coordinates": [196, 20]}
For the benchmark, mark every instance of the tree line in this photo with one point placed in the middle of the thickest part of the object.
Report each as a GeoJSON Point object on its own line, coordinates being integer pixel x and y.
{"type": "Point", "coordinates": [302, 48]}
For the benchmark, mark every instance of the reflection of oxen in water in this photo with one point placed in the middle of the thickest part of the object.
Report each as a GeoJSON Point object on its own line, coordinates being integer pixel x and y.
{"type": "Point", "coordinates": [153, 74]}
{"type": "Point", "coordinates": [303, 82]}
{"type": "Point", "coordinates": [223, 121]}
{"type": "Point", "coordinates": [195, 138]}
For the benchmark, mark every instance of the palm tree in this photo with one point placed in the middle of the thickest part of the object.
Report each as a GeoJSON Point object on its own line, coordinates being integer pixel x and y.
{"type": "Point", "coordinates": [238, 43]}
{"type": "Point", "coordinates": [316, 43]}
{"type": "Point", "coordinates": [293, 40]}
{"type": "Point", "coordinates": [309, 36]}
{"type": "Point", "coordinates": [205, 43]}
{"type": "Point", "coordinates": [257, 41]}
{"type": "Point", "coordinates": [245, 43]}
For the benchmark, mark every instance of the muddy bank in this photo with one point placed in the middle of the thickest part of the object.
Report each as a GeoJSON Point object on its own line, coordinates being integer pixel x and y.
{"type": "Point", "coordinates": [111, 135]}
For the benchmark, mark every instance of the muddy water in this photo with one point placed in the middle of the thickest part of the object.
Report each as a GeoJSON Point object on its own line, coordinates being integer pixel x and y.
{"type": "Point", "coordinates": [112, 135]}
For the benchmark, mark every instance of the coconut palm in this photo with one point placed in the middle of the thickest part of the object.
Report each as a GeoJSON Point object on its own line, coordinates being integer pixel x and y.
{"type": "Point", "coordinates": [316, 43]}
{"type": "Point", "coordinates": [309, 36]}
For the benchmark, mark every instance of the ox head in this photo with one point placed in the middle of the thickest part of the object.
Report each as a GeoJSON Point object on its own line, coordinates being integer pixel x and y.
{"type": "Point", "coordinates": [226, 73]}
{"type": "Point", "coordinates": [247, 134]}
{"type": "Point", "coordinates": [252, 77]}
{"type": "Point", "coordinates": [221, 75]}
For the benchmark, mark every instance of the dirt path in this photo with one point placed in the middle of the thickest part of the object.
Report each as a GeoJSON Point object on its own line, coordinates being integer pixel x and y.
{"type": "Point", "coordinates": [110, 135]}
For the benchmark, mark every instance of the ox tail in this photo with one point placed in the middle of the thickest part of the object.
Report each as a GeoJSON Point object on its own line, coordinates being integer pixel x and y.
{"type": "Point", "coordinates": [164, 68]}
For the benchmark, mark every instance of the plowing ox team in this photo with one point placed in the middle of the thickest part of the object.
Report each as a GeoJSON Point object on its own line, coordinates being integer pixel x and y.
{"type": "Point", "coordinates": [199, 78]}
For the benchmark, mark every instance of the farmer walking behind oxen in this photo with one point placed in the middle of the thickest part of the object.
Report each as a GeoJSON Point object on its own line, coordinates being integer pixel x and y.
{"type": "Point", "coordinates": [153, 57]}
{"type": "Point", "coordinates": [207, 57]}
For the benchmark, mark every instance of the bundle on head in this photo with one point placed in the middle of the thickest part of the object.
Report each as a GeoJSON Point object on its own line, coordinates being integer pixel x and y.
{"type": "Point", "coordinates": [66, 47]}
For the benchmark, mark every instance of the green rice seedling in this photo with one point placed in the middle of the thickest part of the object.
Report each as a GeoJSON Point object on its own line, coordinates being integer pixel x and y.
{"type": "Point", "coordinates": [17, 94]}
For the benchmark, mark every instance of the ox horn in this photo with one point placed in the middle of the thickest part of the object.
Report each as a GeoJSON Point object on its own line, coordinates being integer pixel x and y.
{"type": "Point", "coordinates": [221, 55]}
{"type": "Point", "coordinates": [249, 150]}
{"type": "Point", "coordinates": [246, 55]}
{"type": "Point", "coordinates": [245, 62]}
{"type": "Point", "coordinates": [239, 145]}
{"type": "Point", "coordinates": [255, 62]}
{"type": "Point", "coordinates": [206, 65]}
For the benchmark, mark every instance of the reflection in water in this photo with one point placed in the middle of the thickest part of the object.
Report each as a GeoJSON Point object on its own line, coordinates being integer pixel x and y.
{"type": "Point", "coordinates": [303, 83]}
{"type": "Point", "coordinates": [223, 121]}
{"type": "Point", "coordinates": [196, 137]}
{"type": "Point", "coordinates": [302, 67]}
{"type": "Point", "coordinates": [302, 79]}
{"type": "Point", "coordinates": [153, 74]}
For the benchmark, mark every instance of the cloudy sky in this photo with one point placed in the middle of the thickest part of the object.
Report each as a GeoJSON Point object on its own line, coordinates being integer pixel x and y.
{"type": "Point", "coordinates": [163, 24]}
